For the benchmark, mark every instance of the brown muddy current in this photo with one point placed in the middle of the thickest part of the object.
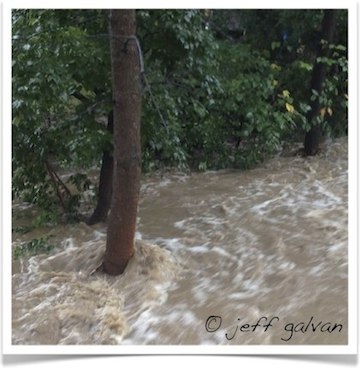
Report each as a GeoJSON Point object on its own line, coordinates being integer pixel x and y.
{"type": "Point", "coordinates": [237, 245]}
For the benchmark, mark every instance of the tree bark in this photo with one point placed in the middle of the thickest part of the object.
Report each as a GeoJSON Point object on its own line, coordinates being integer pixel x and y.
{"type": "Point", "coordinates": [105, 182]}
{"type": "Point", "coordinates": [126, 82]}
{"type": "Point", "coordinates": [314, 136]}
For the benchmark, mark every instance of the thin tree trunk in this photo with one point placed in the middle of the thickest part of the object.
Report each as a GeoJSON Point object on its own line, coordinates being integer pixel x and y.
{"type": "Point", "coordinates": [105, 182]}
{"type": "Point", "coordinates": [314, 136]}
{"type": "Point", "coordinates": [57, 183]}
{"type": "Point", "coordinates": [127, 151]}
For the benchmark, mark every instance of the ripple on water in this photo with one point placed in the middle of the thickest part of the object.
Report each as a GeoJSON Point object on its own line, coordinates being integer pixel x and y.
{"type": "Point", "coordinates": [58, 302]}
{"type": "Point", "coordinates": [241, 245]}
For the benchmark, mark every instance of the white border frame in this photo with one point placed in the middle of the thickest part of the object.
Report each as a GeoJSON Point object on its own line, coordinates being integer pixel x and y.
{"type": "Point", "coordinates": [351, 348]}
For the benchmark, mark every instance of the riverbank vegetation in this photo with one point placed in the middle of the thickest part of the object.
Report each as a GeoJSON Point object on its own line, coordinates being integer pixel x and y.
{"type": "Point", "coordinates": [220, 89]}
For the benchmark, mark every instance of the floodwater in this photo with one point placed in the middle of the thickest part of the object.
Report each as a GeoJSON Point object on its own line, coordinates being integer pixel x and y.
{"type": "Point", "coordinates": [228, 257]}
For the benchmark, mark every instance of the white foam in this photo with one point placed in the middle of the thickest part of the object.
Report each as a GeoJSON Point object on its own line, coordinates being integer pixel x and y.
{"type": "Point", "coordinates": [199, 249]}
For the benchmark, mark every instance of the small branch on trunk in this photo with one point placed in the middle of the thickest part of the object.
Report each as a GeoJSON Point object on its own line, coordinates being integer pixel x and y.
{"type": "Point", "coordinates": [55, 183]}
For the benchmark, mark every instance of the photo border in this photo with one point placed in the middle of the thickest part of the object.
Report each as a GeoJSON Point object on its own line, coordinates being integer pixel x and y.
{"type": "Point", "coordinates": [353, 138]}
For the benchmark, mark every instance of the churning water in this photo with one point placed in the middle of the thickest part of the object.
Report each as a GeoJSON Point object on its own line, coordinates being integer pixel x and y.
{"type": "Point", "coordinates": [219, 256]}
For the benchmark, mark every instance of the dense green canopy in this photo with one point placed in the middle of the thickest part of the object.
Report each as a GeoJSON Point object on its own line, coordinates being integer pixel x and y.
{"type": "Point", "coordinates": [222, 88]}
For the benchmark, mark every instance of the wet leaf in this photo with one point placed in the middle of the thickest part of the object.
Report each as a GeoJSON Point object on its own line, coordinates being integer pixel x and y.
{"type": "Point", "coordinates": [289, 107]}
{"type": "Point", "coordinates": [286, 93]}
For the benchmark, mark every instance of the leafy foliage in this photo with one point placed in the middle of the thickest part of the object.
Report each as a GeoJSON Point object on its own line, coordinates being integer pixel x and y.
{"type": "Point", "coordinates": [223, 88]}
{"type": "Point", "coordinates": [33, 247]}
{"type": "Point", "coordinates": [59, 95]}
{"type": "Point", "coordinates": [181, 77]}
{"type": "Point", "coordinates": [253, 113]}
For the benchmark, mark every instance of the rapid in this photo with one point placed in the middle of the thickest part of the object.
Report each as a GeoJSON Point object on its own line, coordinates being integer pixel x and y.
{"type": "Point", "coordinates": [214, 251]}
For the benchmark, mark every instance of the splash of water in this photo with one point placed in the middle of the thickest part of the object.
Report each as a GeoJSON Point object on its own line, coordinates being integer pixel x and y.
{"type": "Point", "coordinates": [241, 245]}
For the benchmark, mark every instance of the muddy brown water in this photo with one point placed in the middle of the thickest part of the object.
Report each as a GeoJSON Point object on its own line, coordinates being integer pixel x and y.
{"type": "Point", "coordinates": [228, 257]}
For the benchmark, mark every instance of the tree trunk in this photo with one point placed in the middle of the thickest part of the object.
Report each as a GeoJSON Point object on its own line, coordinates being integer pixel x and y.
{"type": "Point", "coordinates": [105, 182]}
{"type": "Point", "coordinates": [127, 150]}
{"type": "Point", "coordinates": [314, 136]}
